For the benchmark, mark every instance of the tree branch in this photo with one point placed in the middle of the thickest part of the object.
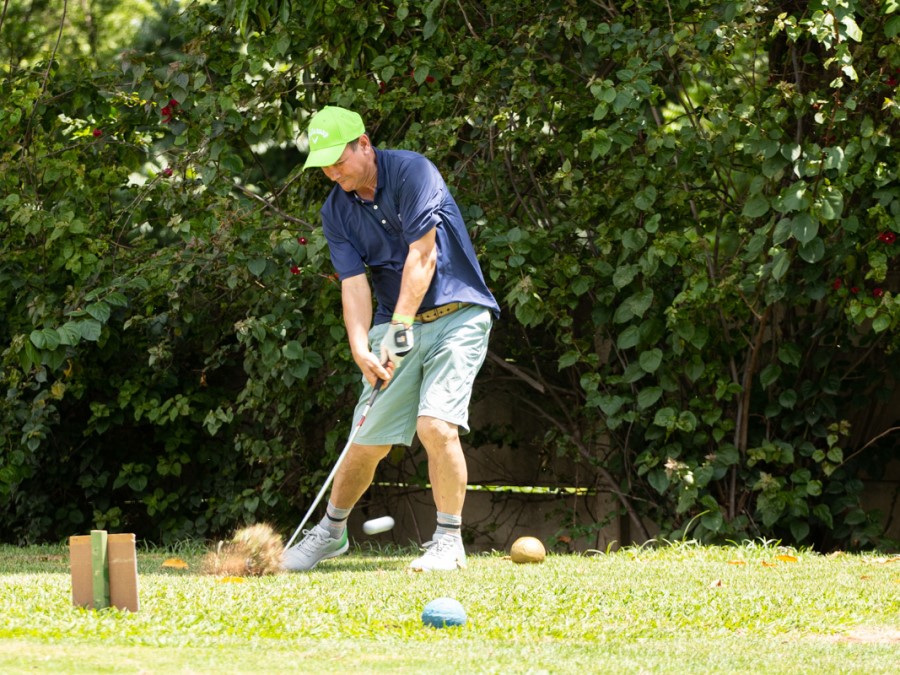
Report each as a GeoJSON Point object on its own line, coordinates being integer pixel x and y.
{"type": "Point", "coordinates": [269, 205]}
{"type": "Point", "coordinates": [878, 437]}
{"type": "Point", "coordinates": [518, 372]}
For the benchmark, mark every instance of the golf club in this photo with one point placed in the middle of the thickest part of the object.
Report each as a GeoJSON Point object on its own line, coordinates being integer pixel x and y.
{"type": "Point", "coordinates": [337, 464]}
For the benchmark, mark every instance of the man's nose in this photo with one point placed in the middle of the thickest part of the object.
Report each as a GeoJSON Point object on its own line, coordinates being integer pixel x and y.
{"type": "Point", "coordinates": [332, 173]}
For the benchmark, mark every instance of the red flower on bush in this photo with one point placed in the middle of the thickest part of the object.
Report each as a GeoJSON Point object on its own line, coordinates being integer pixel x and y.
{"type": "Point", "coordinates": [167, 171]}
{"type": "Point", "coordinates": [295, 269]}
{"type": "Point", "coordinates": [837, 284]}
{"type": "Point", "coordinates": [878, 292]}
{"type": "Point", "coordinates": [98, 133]}
{"type": "Point", "coordinates": [167, 111]}
{"type": "Point", "coordinates": [887, 237]}
{"type": "Point", "coordinates": [302, 241]}
{"type": "Point", "coordinates": [854, 290]}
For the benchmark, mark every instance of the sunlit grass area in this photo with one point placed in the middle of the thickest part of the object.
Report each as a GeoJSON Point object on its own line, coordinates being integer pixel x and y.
{"type": "Point", "coordinates": [682, 607]}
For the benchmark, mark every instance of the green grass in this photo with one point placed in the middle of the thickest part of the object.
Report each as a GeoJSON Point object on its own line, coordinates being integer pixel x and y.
{"type": "Point", "coordinates": [679, 608]}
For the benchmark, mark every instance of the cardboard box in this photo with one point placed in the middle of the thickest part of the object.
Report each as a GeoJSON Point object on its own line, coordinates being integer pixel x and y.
{"type": "Point", "coordinates": [104, 571]}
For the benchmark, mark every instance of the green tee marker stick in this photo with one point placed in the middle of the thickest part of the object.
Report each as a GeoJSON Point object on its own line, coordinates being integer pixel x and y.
{"type": "Point", "coordinates": [100, 568]}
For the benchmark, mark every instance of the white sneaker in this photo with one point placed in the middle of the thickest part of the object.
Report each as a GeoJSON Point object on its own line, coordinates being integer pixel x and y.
{"type": "Point", "coordinates": [317, 545]}
{"type": "Point", "coordinates": [443, 554]}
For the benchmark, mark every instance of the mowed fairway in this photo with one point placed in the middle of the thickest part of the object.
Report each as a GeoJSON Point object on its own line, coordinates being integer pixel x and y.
{"type": "Point", "coordinates": [679, 608]}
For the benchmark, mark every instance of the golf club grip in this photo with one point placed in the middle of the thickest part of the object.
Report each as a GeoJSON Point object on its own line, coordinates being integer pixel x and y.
{"type": "Point", "coordinates": [337, 464]}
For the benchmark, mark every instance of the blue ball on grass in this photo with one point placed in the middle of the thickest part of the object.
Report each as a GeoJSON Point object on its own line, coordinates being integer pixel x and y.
{"type": "Point", "coordinates": [443, 612]}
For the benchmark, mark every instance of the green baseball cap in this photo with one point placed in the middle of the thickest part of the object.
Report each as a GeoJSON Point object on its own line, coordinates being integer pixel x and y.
{"type": "Point", "coordinates": [329, 131]}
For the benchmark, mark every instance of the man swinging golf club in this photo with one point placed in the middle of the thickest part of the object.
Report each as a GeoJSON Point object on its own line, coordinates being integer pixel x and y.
{"type": "Point", "coordinates": [391, 214]}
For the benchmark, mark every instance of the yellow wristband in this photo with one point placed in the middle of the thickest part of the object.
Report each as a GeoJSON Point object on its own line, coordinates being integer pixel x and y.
{"type": "Point", "coordinates": [405, 320]}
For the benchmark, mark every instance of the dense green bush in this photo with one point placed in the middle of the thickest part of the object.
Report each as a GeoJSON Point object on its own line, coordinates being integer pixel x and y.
{"type": "Point", "coordinates": [688, 212]}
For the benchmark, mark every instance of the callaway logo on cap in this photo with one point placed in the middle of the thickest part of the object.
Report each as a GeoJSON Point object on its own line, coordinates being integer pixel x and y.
{"type": "Point", "coordinates": [329, 131]}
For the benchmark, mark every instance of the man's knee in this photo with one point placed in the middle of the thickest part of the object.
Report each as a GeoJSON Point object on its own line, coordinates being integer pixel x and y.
{"type": "Point", "coordinates": [434, 432]}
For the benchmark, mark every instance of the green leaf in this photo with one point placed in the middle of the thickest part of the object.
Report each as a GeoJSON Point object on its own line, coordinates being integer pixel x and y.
{"type": "Point", "coordinates": [581, 285]}
{"type": "Point", "coordinates": [644, 199]}
{"type": "Point", "coordinates": [790, 354]}
{"type": "Point", "coordinates": [781, 263]}
{"type": "Point", "coordinates": [756, 206]}
{"type": "Point", "coordinates": [610, 405]}
{"type": "Point", "coordinates": [69, 333]}
{"type": "Point", "coordinates": [665, 417]}
{"type": "Point", "coordinates": [232, 163]}
{"type": "Point", "coordinates": [421, 74]}
{"type": "Point", "coordinates": [687, 421]}
{"type": "Point", "coordinates": [782, 231]}
{"type": "Point", "coordinates": [788, 399]}
{"type": "Point", "coordinates": [47, 339]}
{"type": "Point", "coordinates": [813, 251]}
{"type": "Point", "coordinates": [791, 152]}
{"type": "Point", "coordinates": [694, 368]}
{"type": "Point", "coordinates": [804, 228]}
{"type": "Point", "coordinates": [831, 205]}
{"type": "Point", "coordinates": [116, 299]}
{"type": "Point", "coordinates": [624, 275]}
{"type": "Point", "coordinates": [823, 513]}
{"type": "Point", "coordinates": [292, 351]}
{"type": "Point", "coordinates": [568, 359]}
{"type": "Point", "coordinates": [257, 266]}
{"type": "Point", "coordinates": [634, 306]}
{"type": "Point", "coordinates": [881, 323]}
{"type": "Point", "coordinates": [634, 239]}
{"type": "Point", "coordinates": [99, 310]}
{"type": "Point", "coordinates": [892, 27]}
{"type": "Point", "coordinates": [795, 198]}
{"type": "Point", "coordinates": [137, 483]}
{"type": "Point", "coordinates": [769, 374]}
{"type": "Point", "coordinates": [658, 480]}
{"type": "Point", "coordinates": [727, 455]}
{"type": "Point", "coordinates": [629, 338]}
{"type": "Point", "coordinates": [856, 517]}
{"type": "Point", "coordinates": [648, 396]}
{"type": "Point", "coordinates": [713, 521]}
{"type": "Point", "coordinates": [799, 530]}
{"type": "Point", "coordinates": [91, 329]}
{"type": "Point", "coordinates": [650, 360]}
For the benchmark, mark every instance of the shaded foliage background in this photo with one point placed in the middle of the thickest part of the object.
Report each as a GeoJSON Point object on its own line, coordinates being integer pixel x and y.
{"type": "Point", "coordinates": [687, 210]}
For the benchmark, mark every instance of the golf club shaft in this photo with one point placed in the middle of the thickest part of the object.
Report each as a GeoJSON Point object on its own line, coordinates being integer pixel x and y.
{"type": "Point", "coordinates": [337, 464]}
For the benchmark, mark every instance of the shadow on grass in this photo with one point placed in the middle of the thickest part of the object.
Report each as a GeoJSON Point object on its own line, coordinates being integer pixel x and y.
{"type": "Point", "coordinates": [363, 563]}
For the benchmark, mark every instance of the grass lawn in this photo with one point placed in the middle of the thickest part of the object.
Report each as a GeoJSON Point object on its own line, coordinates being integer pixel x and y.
{"type": "Point", "coordinates": [676, 608]}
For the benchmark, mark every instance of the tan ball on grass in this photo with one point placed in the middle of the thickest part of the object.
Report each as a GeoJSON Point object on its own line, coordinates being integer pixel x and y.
{"type": "Point", "coordinates": [527, 550]}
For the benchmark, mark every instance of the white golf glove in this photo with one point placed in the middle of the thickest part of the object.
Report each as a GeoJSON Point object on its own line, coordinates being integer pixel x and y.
{"type": "Point", "coordinates": [397, 343]}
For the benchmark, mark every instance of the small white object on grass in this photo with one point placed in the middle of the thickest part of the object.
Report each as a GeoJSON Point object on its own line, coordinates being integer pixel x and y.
{"type": "Point", "coordinates": [377, 525]}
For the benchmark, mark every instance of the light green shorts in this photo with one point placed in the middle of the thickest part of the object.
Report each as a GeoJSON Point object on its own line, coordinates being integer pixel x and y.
{"type": "Point", "coordinates": [435, 379]}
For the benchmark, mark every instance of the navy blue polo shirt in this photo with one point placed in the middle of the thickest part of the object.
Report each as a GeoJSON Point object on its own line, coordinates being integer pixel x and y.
{"type": "Point", "coordinates": [410, 200]}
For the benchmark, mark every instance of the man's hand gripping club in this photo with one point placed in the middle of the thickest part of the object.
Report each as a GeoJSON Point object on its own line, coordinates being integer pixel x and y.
{"type": "Point", "coordinates": [396, 344]}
